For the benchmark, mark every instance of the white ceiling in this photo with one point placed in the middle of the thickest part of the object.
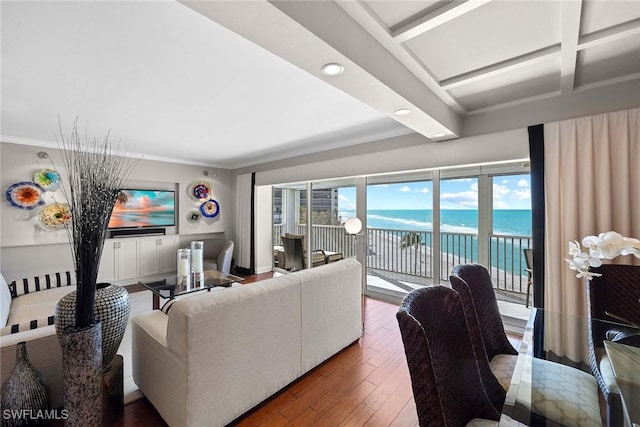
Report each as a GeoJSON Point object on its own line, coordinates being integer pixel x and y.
{"type": "Point", "coordinates": [231, 84]}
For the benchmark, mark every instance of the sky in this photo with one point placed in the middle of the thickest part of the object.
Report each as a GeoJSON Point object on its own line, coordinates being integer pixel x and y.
{"type": "Point", "coordinates": [509, 192]}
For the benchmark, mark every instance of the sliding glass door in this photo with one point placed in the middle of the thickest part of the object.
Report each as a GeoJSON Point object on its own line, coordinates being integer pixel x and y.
{"type": "Point", "coordinates": [399, 234]}
{"type": "Point", "coordinates": [416, 226]}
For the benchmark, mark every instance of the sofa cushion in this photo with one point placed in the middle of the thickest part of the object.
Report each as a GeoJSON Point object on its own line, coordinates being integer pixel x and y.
{"type": "Point", "coordinates": [5, 301]}
{"type": "Point", "coordinates": [36, 305]}
{"type": "Point", "coordinates": [38, 283]}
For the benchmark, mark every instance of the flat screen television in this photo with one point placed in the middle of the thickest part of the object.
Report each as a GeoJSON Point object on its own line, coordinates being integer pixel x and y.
{"type": "Point", "coordinates": [144, 208]}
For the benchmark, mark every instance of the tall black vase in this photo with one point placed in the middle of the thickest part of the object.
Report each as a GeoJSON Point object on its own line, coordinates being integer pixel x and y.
{"type": "Point", "coordinates": [25, 393]}
{"type": "Point", "coordinates": [82, 375]}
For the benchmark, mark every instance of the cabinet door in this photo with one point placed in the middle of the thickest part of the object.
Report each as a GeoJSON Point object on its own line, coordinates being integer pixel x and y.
{"type": "Point", "coordinates": [149, 263]}
{"type": "Point", "coordinates": [128, 259]}
{"type": "Point", "coordinates": [108, 268]}
{"type": "Point", "coordinates": [167, 254]}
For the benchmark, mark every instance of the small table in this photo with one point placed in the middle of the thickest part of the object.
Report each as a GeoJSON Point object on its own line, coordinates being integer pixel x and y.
{"type": "Point", "coordinates": [169, 289]}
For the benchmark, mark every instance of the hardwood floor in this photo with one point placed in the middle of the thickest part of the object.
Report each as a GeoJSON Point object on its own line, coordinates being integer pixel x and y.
{"type": "Point", "coordinates": [367, 384]}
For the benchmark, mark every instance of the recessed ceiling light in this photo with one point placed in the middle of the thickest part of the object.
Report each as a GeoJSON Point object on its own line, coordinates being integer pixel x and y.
{"type": "Point", "coordinates": [332, 69]}
{"type": "Point", "coordinates": [402, 112]}
{"type": "Point", "coordinates": [438, 135]}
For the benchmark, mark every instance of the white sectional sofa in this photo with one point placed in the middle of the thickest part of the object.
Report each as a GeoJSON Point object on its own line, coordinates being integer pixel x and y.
{"type": "Point", "coordinates": [26, 314]}
{"type": "Point", "coordinates": [215, 355]}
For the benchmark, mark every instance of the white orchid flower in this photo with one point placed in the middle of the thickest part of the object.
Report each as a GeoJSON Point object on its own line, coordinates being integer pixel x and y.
{"type": "Point", "coordinates": [603, 246]}
{"type": "Point", "coordinates": [606, 245]}
{"type": "Point", "coordinates": [574, 248]}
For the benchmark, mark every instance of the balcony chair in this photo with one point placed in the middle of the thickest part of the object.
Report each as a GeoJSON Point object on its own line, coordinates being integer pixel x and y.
{"type": "Point", "coordinates": [617, 292]}
{"type": "Point", "coordinates": [446, 369]}
{"type": "Point", "coordinates": [528, 259]}
{"type": "Point", "coordinates": [295, 253]}
{"type": "Point", "coordinates": [551, 382]}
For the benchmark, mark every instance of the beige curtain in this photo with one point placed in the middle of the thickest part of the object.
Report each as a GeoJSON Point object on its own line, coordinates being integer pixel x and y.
{"type": "Point", "coordinates": [592, 185]}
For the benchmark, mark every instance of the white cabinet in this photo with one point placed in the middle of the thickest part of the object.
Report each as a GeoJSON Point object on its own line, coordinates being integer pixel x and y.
{"type": "Point", "coordinates": [158, 255]}
{"type": "Point", "coordinates": [136, 257]}
{"type": "Point", "coordinates": [119, 260]}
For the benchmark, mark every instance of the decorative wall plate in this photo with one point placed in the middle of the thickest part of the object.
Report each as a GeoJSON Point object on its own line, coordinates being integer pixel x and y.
{"type": "Point", "coordinates": [210, 208]}
{"type": "Point", "coordinates": [200, 191]}
{"type": "Point", "coordinates": [48, 179]}
{"type": "Point", "coordinates": [194, 216]}
{"type": "Point", "coordinates": [25, 195]}
{"type": "Point", "coordinates": [55, 216]}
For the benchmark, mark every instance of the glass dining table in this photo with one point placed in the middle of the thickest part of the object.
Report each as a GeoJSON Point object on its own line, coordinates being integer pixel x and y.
{"type": "Point", "coordinates": [564, 339]}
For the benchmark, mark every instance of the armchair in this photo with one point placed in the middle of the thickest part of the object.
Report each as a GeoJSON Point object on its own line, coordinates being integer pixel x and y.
{"type": "Point", "coordinates": [295, 252]}
{"type": "Point", "coordinates": [218, 254]}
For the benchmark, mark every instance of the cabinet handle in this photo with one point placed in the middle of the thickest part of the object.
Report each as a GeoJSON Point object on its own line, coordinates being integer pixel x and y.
{"type": "Point", "coordinates": [119, 244]}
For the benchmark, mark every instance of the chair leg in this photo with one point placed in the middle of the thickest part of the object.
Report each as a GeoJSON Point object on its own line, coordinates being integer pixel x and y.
{"type": "Point", "coordinates": [528, 293]}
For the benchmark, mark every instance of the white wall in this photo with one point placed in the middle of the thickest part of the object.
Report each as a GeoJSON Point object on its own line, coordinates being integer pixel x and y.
{"type": "Point", "coordinates": [26, 249]}
{"type": "Point", "coordinates": [264, 229]}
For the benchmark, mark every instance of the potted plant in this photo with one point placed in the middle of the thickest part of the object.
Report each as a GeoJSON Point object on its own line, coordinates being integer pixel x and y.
{"type": "Point", "coordinates": [96, 172]}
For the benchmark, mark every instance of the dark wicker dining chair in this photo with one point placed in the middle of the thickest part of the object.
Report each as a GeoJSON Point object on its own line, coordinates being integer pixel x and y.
{"type": "Point", "coordinates": [444, 366]}
{"type": "Point", "coordinates": [616, 292]}
{"type": "Point", "coordinates": [477, 288]}
{"type": "Point", "coordinates": [550, 381]}
{"type": "Point", "coordinates": [481, 307]}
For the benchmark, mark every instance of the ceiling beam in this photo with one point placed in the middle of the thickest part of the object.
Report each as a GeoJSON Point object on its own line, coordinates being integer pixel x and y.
{"type": "Point", "coordinates": [309, 34]}
{"type": "Point", "coordinates": [501, 67]}
{"type": "Point", "coordinates": [446, 13]}
{"type": "Point", "coordinates": [571, 12]}
{"type": "Point", "coordinates": [368, 19]}
{"type": "Point", "coordinates": [610, 34]}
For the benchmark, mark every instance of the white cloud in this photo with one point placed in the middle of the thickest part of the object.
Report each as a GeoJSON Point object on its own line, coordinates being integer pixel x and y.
{"type": "Point", "coordinates": [522, 194]}
{"type": "Point", "coordinates": [405, 189]}
{"type": "Point", "coordinates": [463, 198]}
{"type": "Point", "coordinates": [343, 198]}
{"type": "Point", "coordinates": [500, 191]}
{"type": "Point", "coordinates": [505, 181]}
{"type": "Point", "coordinates": [422, 190]}
{"type": "Point", "coordinates": [523, 183]}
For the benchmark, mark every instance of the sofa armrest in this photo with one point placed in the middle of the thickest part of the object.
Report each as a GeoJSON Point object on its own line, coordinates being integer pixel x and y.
{"type": "Point", "coordinates": [26, 326]}
{"type": "Point", "coordinates": [156, 369]}
{"type": "Point", "coordinates": [225, 256]}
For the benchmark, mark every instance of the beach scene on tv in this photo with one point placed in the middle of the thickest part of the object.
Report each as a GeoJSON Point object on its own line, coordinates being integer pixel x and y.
{"type": "Point", "coordinates": [143, 208]}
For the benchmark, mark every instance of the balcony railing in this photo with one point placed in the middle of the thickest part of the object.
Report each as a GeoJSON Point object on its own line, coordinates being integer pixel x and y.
{"type": "Point", "coordinates": [409, 252]}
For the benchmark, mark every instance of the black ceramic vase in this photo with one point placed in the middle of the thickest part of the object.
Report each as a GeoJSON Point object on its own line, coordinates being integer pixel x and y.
{"type": "Point", "coordinates": [25, 393]}
{"type": "Point", "coordinates": [112, 308]}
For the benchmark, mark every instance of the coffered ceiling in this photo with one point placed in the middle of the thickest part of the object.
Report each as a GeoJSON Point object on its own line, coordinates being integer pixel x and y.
{"type": "Point", "coordinates": [235, 83]}
{"type": "Point", "coordinates": [485, 55]}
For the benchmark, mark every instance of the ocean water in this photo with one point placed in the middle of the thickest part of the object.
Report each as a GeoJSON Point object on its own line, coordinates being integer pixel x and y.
{"type": "Point", "coordinates": [505, 222]}
{"type": "Point", "coordinates": [509, 222]}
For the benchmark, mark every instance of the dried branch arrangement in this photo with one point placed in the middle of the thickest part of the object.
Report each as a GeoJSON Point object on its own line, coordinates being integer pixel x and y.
{"type": "Point", "coordinates": [96, 171]}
